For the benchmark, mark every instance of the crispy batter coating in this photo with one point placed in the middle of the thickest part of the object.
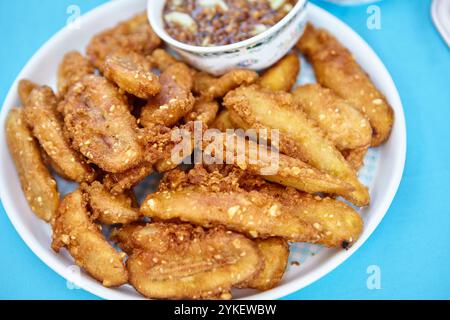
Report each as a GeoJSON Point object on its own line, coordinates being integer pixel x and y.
{"type": "Point", "coordinates": [162, 59]}
{"type": "Point", "coordinates": [24, 89]}
{"type": "Point", "coordinates": [72, 69]}
{"type": "Point", "coordinates": [259, 108]}
{"type": "Point", "coordinates": [108, 208]}
{"type": "Point", "coordinates": [100, 125]}
{"type": "Point", "coordinates": [47, 126]}
{"type": "Point", "coordinates": [74, 230]}
{"type": "Point", "coordinates": [222, 121]}
{"type": "Point", "coordinates": [355, 157]}
{"type": "Point", "coordinates": [344, 125]}
{"type": "Point", "coordinates": [275, 252]}
{"type": "Point", "coordinates": [204, 111]}
{"type": "Point", "coordinates": [37, 184]}
{"type": "Point", "coordinates": [117, 183]}
{"type": "Point", "coordinates": [273, 166]}
{"type": "Point", "coordinates": [336, 68]}
{"type": "Point", "coordinates": [174, 101]}
{"type": "Point", "coordinates": [210, 87]}
{"type": "Point", "coordinates": [171, 261]}
{"type": "Point", "coordinates": [283, 75]}
{"type": "Point", "coordinates": [134, 35]}
{"type": "Point", "coordinates": [131, 72]}
{"type": "Point", "coordinates": [258, 215]}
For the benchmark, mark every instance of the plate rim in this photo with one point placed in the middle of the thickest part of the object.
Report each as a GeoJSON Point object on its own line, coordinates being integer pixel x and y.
{"type": "Point", "coordinates": [275, 293]}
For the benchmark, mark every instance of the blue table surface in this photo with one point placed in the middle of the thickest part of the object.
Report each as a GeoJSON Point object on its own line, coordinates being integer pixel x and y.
{"type": "Point", "coordinates": [410, 246]}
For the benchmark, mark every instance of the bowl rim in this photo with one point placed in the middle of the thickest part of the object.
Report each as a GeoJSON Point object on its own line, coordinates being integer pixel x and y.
{"type": "Point", "coordinates": [161, 32]}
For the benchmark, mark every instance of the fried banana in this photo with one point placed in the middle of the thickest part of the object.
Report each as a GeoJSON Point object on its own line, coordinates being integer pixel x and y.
{"type": "Point", "coordinates": [204, 111]}
{"type": "Point", "coordinates": [47, 126]}
{"type": "Point", "coordinates": [172, 261]}
{"type": "Point", "coordinates": [174, 101]}
{"type": "Point", "coordinates": [337, 69]}
{"type": "Point", "coordinates": [257, 215]}
{"type": "Point", "coordinates": [344, 125]}
{"type": "Point", "coordinates": [273, 166]}
{"type": "Point", "coordinates": [355, 157]}
{"type": "Point", "coordinates": [210, 87]}
{"type": "Point", "coordinates": [162, 60]}
{"type": "Point", "coordinates": [100, 125]}
{"type": "Point", "coordinates": [222, 121]}
{"type": "Point", "coordinates": [74, 230]}
{"type": "Point", "coordinates": [275, 253]}
{"type": "Point", "coordinates": [258, 108]}
{"type": "Point", "coordinates": [283, 75]}
{"type": "Point", "coordinates": [24, 89]}
{"type": "Point", "coordinates": [72, 69]}
{"type": "Point", "coordinates": [134, 35]}
{"type": "Point", "coordinates": [131, 72]}
{"type": "Point", "coordinates": [108, 208]}
{"type": "Point", "coordinates": [37, 184]}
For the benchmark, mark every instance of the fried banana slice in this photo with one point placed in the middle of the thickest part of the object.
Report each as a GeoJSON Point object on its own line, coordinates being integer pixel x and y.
{"type": "Point", "coordinates": [100, 125]}
{"type": "Point", "coordinates": [37, 184]}
{"type": "Point", "coordinates": [161, 59]}
{"type": "Point", "coordinates": [108, 208]}
{"type": "Point", "coordinates": [171, 261]}
{"type": "Point", "coordinates": [74, 230]}
{"type": "Point", "coordinates": [337, 69]}
{"type": "Point", "coordinates": [258, 108]}
{"type": "Point", "coordinates": [131, 72]}
{"type": "Point", "coordinates": [257, 215]}
{"type": "Point", "coordinates": [222, 121]}
{"type": "Point", "coordinates": [273, 166]}
{"type": "Point", "coordinates": [47, 126]}
{"type": "Point", "coordinates": [134, 35]}
{"type": "Point", "coordinates": [174, 101]}
{"type": "Point", "coordinates": [344, 125]}
{"type": "Point", "coordinates": [355, 157]}
{"type": "Point", "coordinates": [283, 75]}
{"type": "Point", "coordinates": [117, 183]}
{"type": "Point", "coordinates": [275, 253]}
{"type": "Point", "coordinates": [72, 69]}
{"type": "Point", "coordinates": [24, 89]}
{"type": "Point", "coordinates": [211, 87]}
{"type": "Point", "coordinates": [204, 111]}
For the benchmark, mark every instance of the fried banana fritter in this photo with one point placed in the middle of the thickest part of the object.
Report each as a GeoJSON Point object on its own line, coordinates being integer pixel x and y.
{"type": "Point", "coordinates": [174, 101]}
{"type": "Point", "coordinates": [344, 125]}
{"type": "Point", "coordinates": [276, 167]}
{"type": "Point", "coordinates": [257, 215]}
{"type": "Point", "coordinates": [355, 157]}
{"type": "Point", "coordinates": [204, 111]}
{"type": "Point", "coordinates": [100, 125]}
{"type": "Point", "coordinates": [283, 75]}
{"type": "Point", "coordinates": [74, 230]}
{"type": "Point", "coordinates": [172, 261]}
{"type": "Point", "coordinates": [47, 126]}
{"type": "Point", "coordinates": [275, 253]}
{"type": "Point", "coordinates": [162, 59]}
{"type": "Point", "coordinates": [210, 87]}
{"type": "Point", "coordinates": [131, 72]}
{"type": "Point", "coordinates": [255, 107]}
{"type": "Point", "coordinates": [337, 69]}
{"type": "Point", "coordinates": [222, 121]}
{"type": "Point", "coordinates": [37, 184]}
{"type": "Point", "coordinates": [72, 69]}
{"type": "Point", "coordinates": [117, 183]}
{"type": "Point", "coordinates": [108, 208]}
{"type": "Point", "coordinates": [134, 35]}
{"type": "Point", "coordinates": [24, 89]}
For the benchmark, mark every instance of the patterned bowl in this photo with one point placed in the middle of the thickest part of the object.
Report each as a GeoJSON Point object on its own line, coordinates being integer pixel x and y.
{"type": "Point", "coordinates": [256, 53]}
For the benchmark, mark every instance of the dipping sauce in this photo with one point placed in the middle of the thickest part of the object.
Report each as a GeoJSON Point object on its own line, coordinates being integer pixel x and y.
{"type": "Point", "coordinates": [221, 22]}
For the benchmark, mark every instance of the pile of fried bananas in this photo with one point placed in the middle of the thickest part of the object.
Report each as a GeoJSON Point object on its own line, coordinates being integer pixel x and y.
{"type": "Point", "coordinates": [210, 227]}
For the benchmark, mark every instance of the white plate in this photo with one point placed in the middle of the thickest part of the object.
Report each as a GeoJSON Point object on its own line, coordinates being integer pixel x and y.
{"type": "Point", "coordinates": [383, 170]}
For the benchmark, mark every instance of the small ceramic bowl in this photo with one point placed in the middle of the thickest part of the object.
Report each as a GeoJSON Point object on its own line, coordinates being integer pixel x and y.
{"type": "Point", "coordinates": [256, 53]}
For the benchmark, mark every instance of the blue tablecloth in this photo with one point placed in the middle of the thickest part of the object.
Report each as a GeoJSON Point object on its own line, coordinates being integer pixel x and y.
{"type": "Point", "coordinates": [410, 246]}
